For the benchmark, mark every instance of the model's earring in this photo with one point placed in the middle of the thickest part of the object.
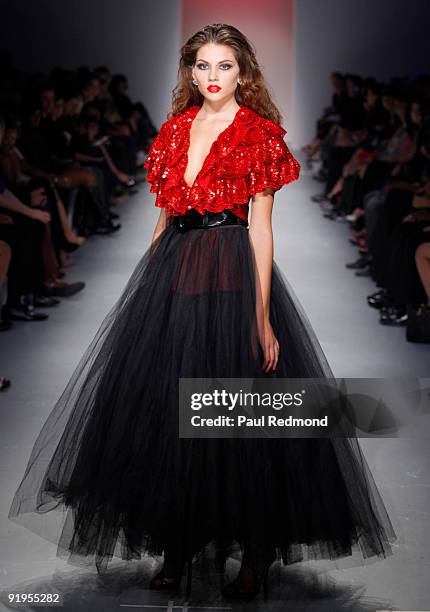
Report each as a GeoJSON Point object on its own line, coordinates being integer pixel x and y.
{"type": "Point", "coordinates": [194, 82]}
{"type": "Point", "coordinates": [239, 83]}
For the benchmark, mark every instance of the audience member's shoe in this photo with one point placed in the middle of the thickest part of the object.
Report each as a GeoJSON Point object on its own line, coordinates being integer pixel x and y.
{"type": "Point", "coordinates": [378, 299]}
{"type": "Point", "coordinates": [334, 215]}
{"type": "Point", "coordinates": [114, 200]}
{"type": "Point", "coordinates": [319, 197]}
{"type": "Point", "coordinates": [358, 264]}
{"type": "Point", "coordinates": [351, 218]}
{"type": "Point", "coordinates": [119, 191]}
{"type": "Point", "coordinates": [45, 301]}
{"type": "Point", "coordinates": [24, 310]}
{"type": "Point", "coordinates": [326, 206]}
{"type": "Point", "coordinates": [107, 228]}
{"type": "Point", "coordinates": [84, 231]}
{"type": "Point", "coordinates": [321, 177]}
{"type": "Point", "coordinates": [393, 315]}
{"type": "Point", "coordinates": [419, 318]}
{"type": "Point", "coordinates": [4, 383]}
{"type": "Point", "coordinates": [329, 215]}
{"type": "Point", "coordinates": [5, 313]}
{"type": "Point", "coordinates": [69, 247]}
{"type": "Point", "coordinates": [113, 215]}
{"type": "Point", "coordinates": [356, 214]}
{"type": "Point", "coordinates": [363, 272]}
{"type": "Point", "coordinates": [63, 289]}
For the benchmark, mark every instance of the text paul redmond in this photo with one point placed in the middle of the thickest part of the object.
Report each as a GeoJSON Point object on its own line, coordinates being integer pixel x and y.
{"type": "Point", "coordinates": [261, 421]}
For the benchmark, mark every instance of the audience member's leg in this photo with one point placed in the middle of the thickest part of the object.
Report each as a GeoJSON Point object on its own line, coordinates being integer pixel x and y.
{"type": "Point", "coordinates": [338, 157]}
{"type": "Point", "coordinates": [26, 271]}
{"type": "Point", "coordinates": [5, 258]}
{"type": "Point", "coordinates": [422, 260]}
{"type": "Point", "coordinates": [401, 280]}
{"type": "Point", "coordinates": [373, 203]}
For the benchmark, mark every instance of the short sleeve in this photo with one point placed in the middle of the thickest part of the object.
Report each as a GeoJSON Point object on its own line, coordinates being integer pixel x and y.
{"type": "Point", "coordinates": [157, 158]}
{"type": "Point", "coordinates": [272, 165]}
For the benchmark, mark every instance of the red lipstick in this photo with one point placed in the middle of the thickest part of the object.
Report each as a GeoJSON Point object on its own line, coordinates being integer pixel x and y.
{"type": "Point", "coordinates": [214, 88]}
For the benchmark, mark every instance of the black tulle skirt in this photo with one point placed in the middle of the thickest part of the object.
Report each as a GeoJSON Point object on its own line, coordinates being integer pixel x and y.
{"type": "Point", "coordinates": [109, 476]}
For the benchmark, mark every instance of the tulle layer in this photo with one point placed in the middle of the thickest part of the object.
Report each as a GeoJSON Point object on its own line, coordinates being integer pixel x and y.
{"type": "Point", "coordinates": [109, 464]}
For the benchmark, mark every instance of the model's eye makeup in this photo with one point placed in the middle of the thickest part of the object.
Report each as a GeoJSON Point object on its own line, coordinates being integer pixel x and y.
{"type": "Point", "coordinates": [202, 66]}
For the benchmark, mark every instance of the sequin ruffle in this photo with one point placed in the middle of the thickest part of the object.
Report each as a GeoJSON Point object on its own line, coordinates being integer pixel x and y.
{"type": "Point", "coordinates": [248, 156]}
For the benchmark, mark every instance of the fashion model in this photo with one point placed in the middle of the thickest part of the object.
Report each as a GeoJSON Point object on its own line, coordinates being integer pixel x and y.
{"type": "Point", "coordinates": [205, 300]}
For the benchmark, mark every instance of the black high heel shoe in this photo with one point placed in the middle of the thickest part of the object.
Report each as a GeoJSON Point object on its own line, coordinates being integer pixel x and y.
{"type": "Point", "coordinates": [69, 247]}
{"type": "Point", "coordinates": [163, 582]}
{"type": "Point", "coordinates": [237, 590]}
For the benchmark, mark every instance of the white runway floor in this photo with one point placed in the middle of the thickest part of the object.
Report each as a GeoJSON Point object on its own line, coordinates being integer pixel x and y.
{"type": "Point", "coordinates": [312, 251]}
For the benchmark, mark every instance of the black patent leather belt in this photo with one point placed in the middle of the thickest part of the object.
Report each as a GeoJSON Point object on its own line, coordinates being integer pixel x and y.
{"type": "Point", "coordinates": [194, 220]}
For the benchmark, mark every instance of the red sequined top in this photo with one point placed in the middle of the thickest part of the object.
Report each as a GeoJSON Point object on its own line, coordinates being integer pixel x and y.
{"type": "Point", "coordinates": [249, 155]}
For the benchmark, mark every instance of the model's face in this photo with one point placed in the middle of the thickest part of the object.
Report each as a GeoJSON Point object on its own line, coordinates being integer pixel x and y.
{"type": "Point", "coordinates": [216, 68]}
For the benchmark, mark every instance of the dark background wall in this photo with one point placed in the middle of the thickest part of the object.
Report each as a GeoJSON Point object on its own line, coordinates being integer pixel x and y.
{"type": "Point", "coordinates": [142, 39]}
{"type": "Point", "coordinates": [380, 38]}
{"type": "Point", "coordinates": [136, 37]}
{"type": "Point", "coordinates": [268, 24]}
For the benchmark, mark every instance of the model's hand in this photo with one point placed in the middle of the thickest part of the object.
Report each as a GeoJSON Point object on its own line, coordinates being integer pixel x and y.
{"type": "Point", "coordinates": [269, 344]}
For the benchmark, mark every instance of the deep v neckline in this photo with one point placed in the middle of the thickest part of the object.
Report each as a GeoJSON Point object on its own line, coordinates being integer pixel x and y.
{"type": "Point", "coordinates": [188, 142]}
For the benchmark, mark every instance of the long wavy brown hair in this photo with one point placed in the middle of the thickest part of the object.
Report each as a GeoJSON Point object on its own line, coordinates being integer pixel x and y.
{"type": "Point", "coordinates": [252, 92]}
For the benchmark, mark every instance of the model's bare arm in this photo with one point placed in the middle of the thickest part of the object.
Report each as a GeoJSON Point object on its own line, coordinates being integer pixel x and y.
{"type": "Point", "coordinates": [261, 236]}
{"type": "Point", "coordinates": [162, 223]}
